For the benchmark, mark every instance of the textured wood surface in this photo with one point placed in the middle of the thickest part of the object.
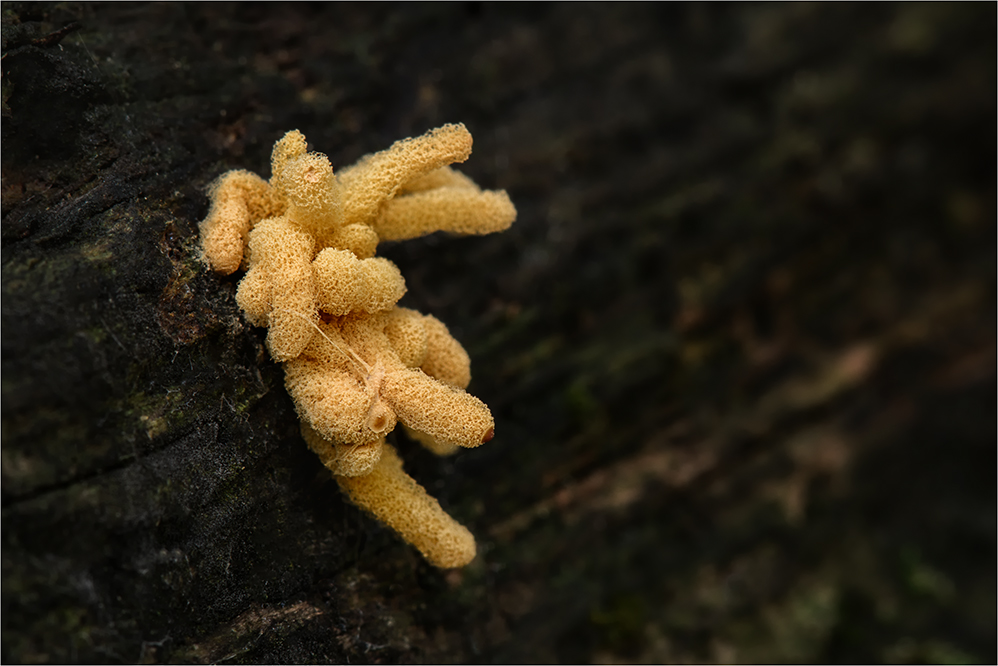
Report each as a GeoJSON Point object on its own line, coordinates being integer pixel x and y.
{"type": "Point", "coordinates": [740, 343]}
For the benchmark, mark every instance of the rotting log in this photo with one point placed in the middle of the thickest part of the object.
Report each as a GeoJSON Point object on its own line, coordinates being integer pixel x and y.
{"type": "Point", "coordinates": [740, 343]}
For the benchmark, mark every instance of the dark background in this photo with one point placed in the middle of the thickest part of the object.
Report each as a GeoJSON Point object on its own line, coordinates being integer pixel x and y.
{"type": "Point", "coordinates": [740, 342]}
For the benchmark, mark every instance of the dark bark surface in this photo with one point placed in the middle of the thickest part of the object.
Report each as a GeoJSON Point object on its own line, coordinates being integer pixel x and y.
{"type": "Point", "coordinates": [740, 343]}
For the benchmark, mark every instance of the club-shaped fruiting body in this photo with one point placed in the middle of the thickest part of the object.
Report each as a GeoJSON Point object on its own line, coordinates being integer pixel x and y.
{"type": "Point", "coordinates": [356, 363]}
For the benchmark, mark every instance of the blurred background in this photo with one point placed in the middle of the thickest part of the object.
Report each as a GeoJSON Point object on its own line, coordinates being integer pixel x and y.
{"type": "Point", "coordinates": [739, 344]}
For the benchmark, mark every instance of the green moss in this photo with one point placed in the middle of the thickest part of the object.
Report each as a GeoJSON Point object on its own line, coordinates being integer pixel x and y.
{"type": "Point", "coordinates": [925, 581]}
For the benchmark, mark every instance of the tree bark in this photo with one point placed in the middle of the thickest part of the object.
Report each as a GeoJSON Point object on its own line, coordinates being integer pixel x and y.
{"type": "Point", "coordinates": [739, 344]}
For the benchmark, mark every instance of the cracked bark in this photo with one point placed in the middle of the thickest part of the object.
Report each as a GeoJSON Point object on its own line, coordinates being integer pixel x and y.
{"type": "Point", "coordinates": [740, 344]}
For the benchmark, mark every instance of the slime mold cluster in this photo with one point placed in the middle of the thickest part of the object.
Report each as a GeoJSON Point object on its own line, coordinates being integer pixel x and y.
{"type": "Point", "coordinates": [356, 364]}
